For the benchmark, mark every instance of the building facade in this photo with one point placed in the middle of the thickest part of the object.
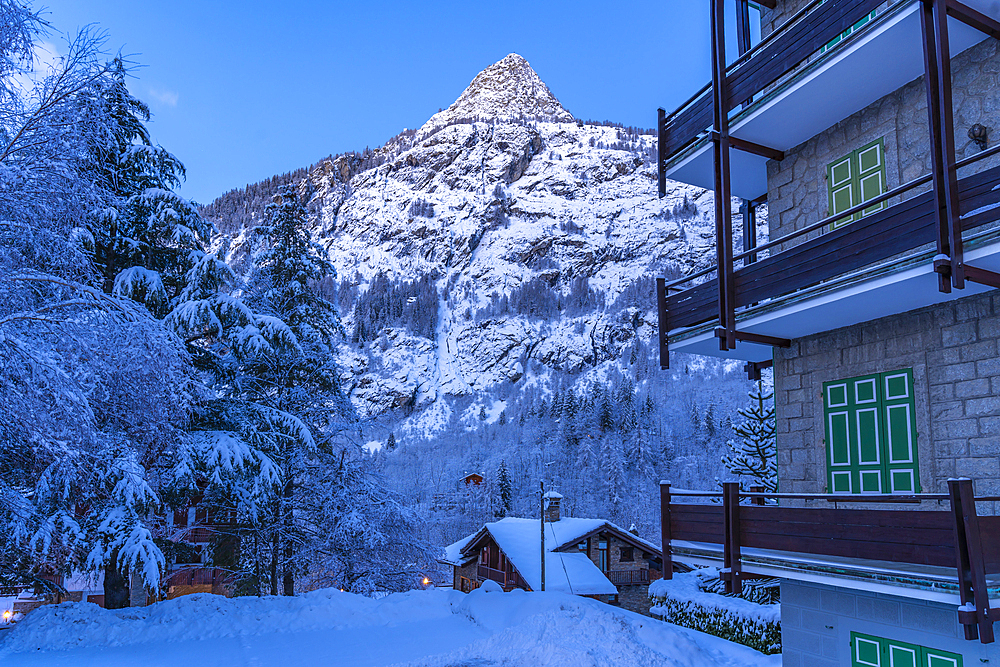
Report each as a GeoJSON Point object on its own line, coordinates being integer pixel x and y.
{"type": "Point", "coordinates": [868, 129]}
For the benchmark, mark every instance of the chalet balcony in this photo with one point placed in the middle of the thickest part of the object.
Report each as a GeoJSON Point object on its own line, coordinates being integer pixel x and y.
{"type": "Point", "coordinates": [628, 577]}
{"type": "Point", "coordinates": [905, 246]}
{"type": "Point", "coordinates": [483, 573]}
{"type": "Point", "coordinates": [938, 550]}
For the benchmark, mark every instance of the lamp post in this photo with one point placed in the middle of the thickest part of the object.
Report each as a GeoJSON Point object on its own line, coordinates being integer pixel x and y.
{"type": "Point", "coordinates": [541, 517]}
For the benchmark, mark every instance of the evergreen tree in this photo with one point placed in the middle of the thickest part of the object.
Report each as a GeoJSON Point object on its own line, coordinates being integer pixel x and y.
{"type": "Point", "coordinates": [754, 456]}
{"type": "Point", "coordinates": [390, 444]}
{"type": "Point", "coordinates": [505, 491]}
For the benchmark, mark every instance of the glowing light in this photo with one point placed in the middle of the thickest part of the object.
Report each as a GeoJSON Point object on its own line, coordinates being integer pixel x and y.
{"type": "Point", "coordinates": [426, 581]}
{"type": "Point", "coordinates": [7, 614]}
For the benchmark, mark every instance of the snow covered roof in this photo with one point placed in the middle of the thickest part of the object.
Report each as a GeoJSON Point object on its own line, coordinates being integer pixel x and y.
{"type": "Point", "coordinates": [553, 494]}
{"type": "Point", "coordinates": [566, 572]}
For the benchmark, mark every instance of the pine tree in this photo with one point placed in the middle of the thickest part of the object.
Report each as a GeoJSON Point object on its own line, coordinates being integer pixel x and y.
{"type": "Point", "coordinates": [505, 491]}
{"type": "Point", "coordinates": [390, 444]}
{"type": "Point", "coordinates": [754, 457]}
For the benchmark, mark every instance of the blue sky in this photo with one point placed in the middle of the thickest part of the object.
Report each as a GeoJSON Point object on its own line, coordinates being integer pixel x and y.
{"type": "Point", "coordinates": [244, 90]}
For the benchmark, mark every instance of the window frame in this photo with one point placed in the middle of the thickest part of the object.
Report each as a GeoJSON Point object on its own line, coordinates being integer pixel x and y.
{"type": "Point", "coordinates": [869, 415]}
{"type": "Point", "coordinates": [858, 179]}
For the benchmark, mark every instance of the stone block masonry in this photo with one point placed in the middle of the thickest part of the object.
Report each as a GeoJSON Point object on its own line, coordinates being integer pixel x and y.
{"type": "Point", "coordinates": [817, 621]}
{"type": "Point", "coordinates": [952, 349]}
{"type": "Point", "coordinates": [797, 186]}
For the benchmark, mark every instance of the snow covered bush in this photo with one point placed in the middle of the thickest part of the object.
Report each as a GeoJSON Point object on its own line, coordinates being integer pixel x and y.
{"type": "Point", "coordinates": [685, 601]}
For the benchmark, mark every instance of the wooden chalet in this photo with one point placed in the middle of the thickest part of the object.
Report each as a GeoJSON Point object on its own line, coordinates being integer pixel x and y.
{"type": "Point", "coordinates": [589, 557]}
{"type": "Point", "coordinates": [869, 128]}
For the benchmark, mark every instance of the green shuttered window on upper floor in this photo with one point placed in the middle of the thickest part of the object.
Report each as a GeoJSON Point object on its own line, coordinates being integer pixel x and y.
{"type": "Point", "coordinates": [856, 178]}
{"type": "Point", "coordinates": [869, 651]}
{"type": "Point", "coordinates": [871, 434]}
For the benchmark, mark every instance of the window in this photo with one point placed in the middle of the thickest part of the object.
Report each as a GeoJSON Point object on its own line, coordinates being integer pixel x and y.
{"type": "Point", "coordinates": [602, 553]}
{"type": "Point", "coordinates": [868, 651]}
{"type": "Point", "coordinates": [857, 26]}
{"type": "Point", "coordinates": [855, 179]}
{"type": "Point", "coordinates": [871, 434]}
{"type": "Point", "coordinates": [625, 554]}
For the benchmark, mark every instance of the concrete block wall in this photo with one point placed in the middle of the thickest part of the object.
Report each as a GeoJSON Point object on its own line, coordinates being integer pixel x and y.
{"type": "Point", "coordinates": [817, 621]}
{"type": "Point", "coordinates": [953, 351]}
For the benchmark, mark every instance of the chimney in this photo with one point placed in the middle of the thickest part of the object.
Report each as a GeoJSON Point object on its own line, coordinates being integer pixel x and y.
{"type": "Point", "coordinates": [552, 502]}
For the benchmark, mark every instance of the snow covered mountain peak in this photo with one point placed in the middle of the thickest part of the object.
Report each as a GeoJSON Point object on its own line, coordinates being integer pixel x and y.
{"type": "Point", "coordinates": [508, 89]}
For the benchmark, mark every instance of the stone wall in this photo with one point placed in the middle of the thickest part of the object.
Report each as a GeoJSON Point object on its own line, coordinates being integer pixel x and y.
{"type": "Point", "coordinates": [817, 621]}
{"type": "Point", "coordinates": [797, 186]}
{"type": "Point", "coordinates": [468, 571]}
{"type": "Point", "coordinates": [952, 349]}
{"type": "Point", "coordinates": [634, 598]}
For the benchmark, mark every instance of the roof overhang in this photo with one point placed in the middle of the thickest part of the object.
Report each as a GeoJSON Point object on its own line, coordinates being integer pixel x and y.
{"type": "Point", "coordinates": [825, 92]}
{"type": "Point", "coordinates": [892, 288]}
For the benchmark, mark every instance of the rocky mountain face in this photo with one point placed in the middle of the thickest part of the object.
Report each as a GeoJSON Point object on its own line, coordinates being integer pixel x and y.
{"type": "Point", "coordinates": [502, 246]}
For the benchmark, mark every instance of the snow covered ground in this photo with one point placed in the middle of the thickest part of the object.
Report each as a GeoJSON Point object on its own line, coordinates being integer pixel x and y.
{"type": "Point", "coordinates": [435, 628]}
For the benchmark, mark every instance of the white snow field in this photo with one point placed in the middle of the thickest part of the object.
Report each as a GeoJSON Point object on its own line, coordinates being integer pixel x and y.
{"type": "Point", "coordinates": [433, 628]}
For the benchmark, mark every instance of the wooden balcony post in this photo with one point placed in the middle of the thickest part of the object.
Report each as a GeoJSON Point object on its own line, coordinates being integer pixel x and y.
{"type": "Point", "coordinates": [731, 558]}
{"type": "Point", "coordinates": [661, 152]}
{"type": "Point", "coordinates": [666, 558]}
{"type": "Point", "coordinates": [723, 203]}
{"type": "Point", "coordinates": [663, 323]}
{"type": "Point", "coordinates": [971, 567]}
{"type": "Point", "coordinates": [937, 79]}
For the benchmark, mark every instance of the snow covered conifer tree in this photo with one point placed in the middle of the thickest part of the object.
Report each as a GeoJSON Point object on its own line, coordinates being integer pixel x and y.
{"type": "Point", "coordinates": [504, 490]}
{"type": "Point", "coordinates": [754, 456]}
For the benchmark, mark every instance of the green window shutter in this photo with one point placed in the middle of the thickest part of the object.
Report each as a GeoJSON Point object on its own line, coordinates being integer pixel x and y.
{"type": "Point", "coordinates": [866, 651]}
{"type": "Point", "coordinates": [871, 174]}
{"type": "Point", "coordinates": [871, 434]}
{"type": "Point", "coordinates": [856, 178]}
{"type": "Point", "coordinates": [900, 431]}
{"type": "Point", "coordinates": [867, 440]}
{"type": "Point", "coordinates": [936, 658]}
{"type": "Point", "coordinates": [840, 180]}
{"type": "Point", "coordinates": [869, 651]}
{"type": "Point", "coordinates": [841, 466]}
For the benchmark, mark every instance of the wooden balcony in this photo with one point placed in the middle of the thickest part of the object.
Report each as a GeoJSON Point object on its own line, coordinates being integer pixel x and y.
{"type": "Point", "coordinates": [950, 553]}
{"type": "Point", "coordinates": [793, 85]}
{"type": "Point", "coordinates": [628, 577]}
{"type": "Point", "coordinates": [771, 294]}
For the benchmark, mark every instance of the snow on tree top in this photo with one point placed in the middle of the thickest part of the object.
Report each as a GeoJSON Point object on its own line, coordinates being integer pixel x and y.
{"type": "Point", "coordinates": [508, 89]}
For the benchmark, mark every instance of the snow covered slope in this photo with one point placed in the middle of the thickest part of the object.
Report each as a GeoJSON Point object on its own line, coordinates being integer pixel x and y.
{"type": "Point", "coordinates": [420, 628]}
{"type": "Point", "coordinates": [536, 238]}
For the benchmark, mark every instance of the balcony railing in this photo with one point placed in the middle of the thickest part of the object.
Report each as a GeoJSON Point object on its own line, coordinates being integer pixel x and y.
{"type": "Point", "coordinates": [484, 572]}
{"type": "Point", "coordinates": [957, 538]}
{"type": "Point", "coordinates": [874, 238]}
{"type": "Point", "coordinates": [799, 38]}
{"type": "Point", "coordinates": [628, 577]}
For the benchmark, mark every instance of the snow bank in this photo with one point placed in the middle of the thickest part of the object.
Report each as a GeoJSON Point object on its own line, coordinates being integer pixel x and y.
{"type": "Point", "coordinates": [205, 616]}
{"type": "Point", "coordinates": [434, 628]}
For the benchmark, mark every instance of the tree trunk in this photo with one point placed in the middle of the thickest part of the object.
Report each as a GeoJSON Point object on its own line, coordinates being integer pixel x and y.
{"type": "Point", "coordinates": [274, 565]}
{"type": "Point", "coordinates": [288, 582]}
{"type": "Point", "coordinates": [116, 585]}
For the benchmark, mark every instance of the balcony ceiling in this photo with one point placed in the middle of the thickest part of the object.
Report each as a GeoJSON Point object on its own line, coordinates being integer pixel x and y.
{"type": "Point", "coordinates": [828, 307]}
{"type": "Point", "coordinates": [817, 100]}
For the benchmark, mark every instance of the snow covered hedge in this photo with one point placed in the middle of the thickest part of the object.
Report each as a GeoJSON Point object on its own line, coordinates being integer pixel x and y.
{"type": "Point", "coordinates": [684, 601]}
